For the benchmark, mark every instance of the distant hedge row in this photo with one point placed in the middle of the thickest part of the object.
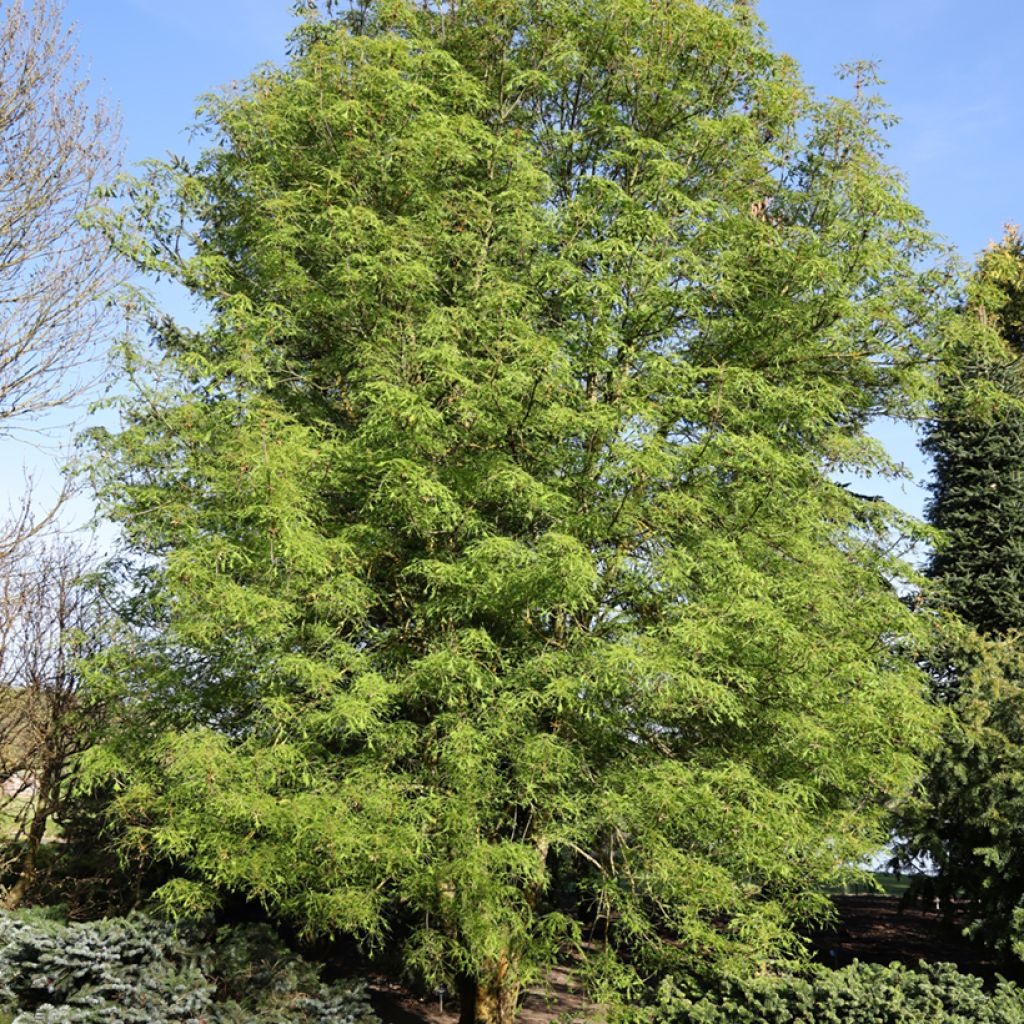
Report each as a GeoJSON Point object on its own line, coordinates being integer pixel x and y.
{"type": "Point", "coordinates": [858, 994]}
{"type": "Point", "coordinates": [137, 970]}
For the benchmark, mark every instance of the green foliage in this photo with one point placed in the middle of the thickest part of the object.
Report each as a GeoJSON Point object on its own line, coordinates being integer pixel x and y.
{"type": "Point", "coordinates": [968, 817]}
{"type": "Point", "coordinates": [139, 969]}
{"type": "Point", "coordinates": [858, 994]}
{"type": "Point", "coordinates": [85, 972]}
{"type": "Point", "coordinates": [489, 519]}
{"type": "Point", "coordinates": [977, 492]}
{"type": "Point", "coordinates": [259, 981]}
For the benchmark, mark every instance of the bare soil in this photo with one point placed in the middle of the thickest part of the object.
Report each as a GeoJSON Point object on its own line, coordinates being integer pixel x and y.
{"type": "Point", "coordinates": [561, 998]}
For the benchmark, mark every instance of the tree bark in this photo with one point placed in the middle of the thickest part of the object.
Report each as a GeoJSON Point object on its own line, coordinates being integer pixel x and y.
{"type": "Point", "coordinates": [492, 998]}
{"type": "Point", "coordinates": [467, 999]}
{"type": "Point", "coordinates": [33, 841]}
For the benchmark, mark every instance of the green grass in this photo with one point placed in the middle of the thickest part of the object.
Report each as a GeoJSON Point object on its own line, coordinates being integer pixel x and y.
{"type": "Point", "coordinates": [18, 809]}
{"type": "Point", "coordinates": [887, 883]}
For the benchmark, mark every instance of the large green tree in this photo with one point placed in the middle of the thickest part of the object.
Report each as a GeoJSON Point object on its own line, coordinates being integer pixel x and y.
{"type": "Point", "coordinates": [968, 818]}
{"type": "Point", "coordinates": [487, 528]}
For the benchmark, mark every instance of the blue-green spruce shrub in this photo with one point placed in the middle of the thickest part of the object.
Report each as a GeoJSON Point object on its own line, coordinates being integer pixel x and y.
{"type": "Point", "coordinates": [137, 969]}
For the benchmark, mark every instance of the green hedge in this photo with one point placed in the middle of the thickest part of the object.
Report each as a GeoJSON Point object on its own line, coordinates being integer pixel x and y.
{"type": "Point", "coordinates": [858, 994]}
{"type": "Point", "coordinates": [138, 970]}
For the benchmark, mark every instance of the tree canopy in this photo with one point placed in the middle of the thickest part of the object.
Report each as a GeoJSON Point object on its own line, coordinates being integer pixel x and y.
{"type": "Point", "coordinates": [977, 492]}
{"type": "Point", "coordinates": [967, 817]}
{"type": "Point", "coordinates": [486, 534]}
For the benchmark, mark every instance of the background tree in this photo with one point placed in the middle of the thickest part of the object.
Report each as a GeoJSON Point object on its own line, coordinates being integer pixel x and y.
{"type": "Point", "coordinates": [48, 620]}
{"type": "Point", "coordinates": [57, 146]}
{"type": "Point", "coordinates": [977, 493]}
{"type": "Point", "coordinates": [489, 522]}
{"type": "Point", "coordinates": [968, 819]}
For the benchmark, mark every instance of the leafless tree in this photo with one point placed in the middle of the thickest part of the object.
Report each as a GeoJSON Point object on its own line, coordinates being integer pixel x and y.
{"type": "Point", "coordinates": [48, 620]}
{"type": "Point", "coordinates": [57, 148]}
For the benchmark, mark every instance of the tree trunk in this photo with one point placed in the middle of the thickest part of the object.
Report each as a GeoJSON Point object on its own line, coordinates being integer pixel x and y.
{"type": "Point", "coordinates": [33, 841]}
{"type": "Point", "coordinates": [467, 999]}
{"type": "Point", "coordinates": [492, 998]}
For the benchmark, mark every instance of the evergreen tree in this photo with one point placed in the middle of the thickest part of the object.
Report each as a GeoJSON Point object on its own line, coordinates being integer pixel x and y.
{"type": "Point", "coordinates": [488, 524]}
{"type": "Point", "coordinates": [977, 491]}
{"type": "Point", "coordinates": [968, 818]}
{"type": "Point", "coordinates": [142, 970]}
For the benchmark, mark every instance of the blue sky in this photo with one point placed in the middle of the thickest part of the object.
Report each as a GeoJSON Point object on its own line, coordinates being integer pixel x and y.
{"type": "Point", "coordinates": [953, 70]}
{"type": "Point", "coordinates": [953, 74]}
{"type": "Point", "coordinates": [155, 57]}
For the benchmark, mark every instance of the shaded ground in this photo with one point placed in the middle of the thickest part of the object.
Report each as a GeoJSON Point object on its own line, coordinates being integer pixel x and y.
{"type": "Point", "coordinates": [871, 927]}
{"type": "Point", "coordinates": [876, 929]}
{"type": "Point", "coordinates": [560, 998]}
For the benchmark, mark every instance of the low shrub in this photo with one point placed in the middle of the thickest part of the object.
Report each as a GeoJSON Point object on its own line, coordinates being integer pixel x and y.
{"type": "Point", "coordinates": [259, 981]}
{"type": "Point", "coordinates": [858, 994]}
{"type": "Point", "coordinates": [137, 969]}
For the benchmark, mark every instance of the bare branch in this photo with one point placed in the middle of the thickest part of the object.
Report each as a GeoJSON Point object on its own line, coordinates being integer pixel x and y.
{"type": "Point", "coordinates": [48, 619]}
{"type": "Point", "coordinates": [57, 149]}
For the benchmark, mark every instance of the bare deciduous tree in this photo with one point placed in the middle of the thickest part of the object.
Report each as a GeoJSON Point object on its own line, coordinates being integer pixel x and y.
{"type": "Point", "coordinates": [56, 148]}
{"type": "Point", "coordinates": [47, 620]}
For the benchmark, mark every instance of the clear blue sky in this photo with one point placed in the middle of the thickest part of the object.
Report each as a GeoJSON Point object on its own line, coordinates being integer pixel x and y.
{"type": "Point", "coordinates": [953, 69]}
{"type": "Point", "coordinates": [155, 57]}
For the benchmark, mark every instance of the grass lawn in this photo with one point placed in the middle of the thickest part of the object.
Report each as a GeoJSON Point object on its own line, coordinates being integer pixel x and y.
{"type": "Point", "coordinates": [887, 883]}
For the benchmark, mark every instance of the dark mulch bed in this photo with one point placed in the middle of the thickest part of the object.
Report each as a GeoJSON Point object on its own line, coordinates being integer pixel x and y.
{"type": "Point", "coordinates": [879, 929]}
{"type": "Point", "coordinates": [875, 929]}
{"type": "Point", "coordinates": [561, 999]}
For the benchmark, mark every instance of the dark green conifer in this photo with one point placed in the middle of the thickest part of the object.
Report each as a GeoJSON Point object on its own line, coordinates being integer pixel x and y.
{"type": "Point", "coordinates": [977, 491]}
{"type": "Point", "coordinates": [969, 818]}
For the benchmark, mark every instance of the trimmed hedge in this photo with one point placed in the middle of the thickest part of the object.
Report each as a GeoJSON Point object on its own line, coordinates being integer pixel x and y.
{"type": "Point", "coordinates": [858, 994]}
{"type": "Point", "coordinates": [137, 970]}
